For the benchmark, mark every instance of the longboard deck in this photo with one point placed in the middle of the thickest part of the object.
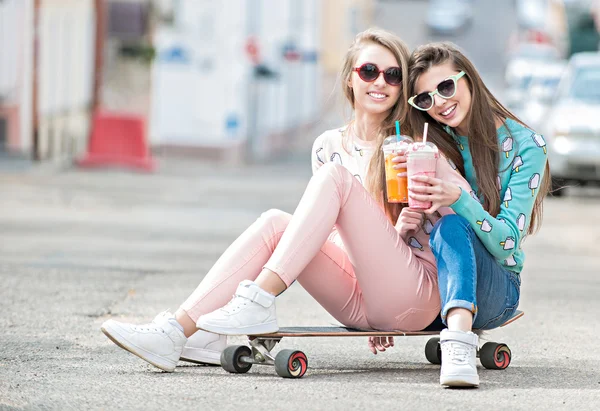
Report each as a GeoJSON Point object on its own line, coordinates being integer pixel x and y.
{"type": "Point", "coordinates": [354, 332]}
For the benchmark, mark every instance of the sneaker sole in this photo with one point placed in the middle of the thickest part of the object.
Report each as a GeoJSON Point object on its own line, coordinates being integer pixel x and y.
{"type": "Point", "coordinates": [147, 356]}
{"type": "Point", "coordinates": [201, 356]}
{"type": "Point", "coordinates": [460, 381]}
{"type": "Point", "coordinates": [266, 328]}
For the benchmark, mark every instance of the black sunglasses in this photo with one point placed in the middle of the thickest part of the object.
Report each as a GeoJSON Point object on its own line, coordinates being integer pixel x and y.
{"type": "Point", "coordinates": [369, 72]}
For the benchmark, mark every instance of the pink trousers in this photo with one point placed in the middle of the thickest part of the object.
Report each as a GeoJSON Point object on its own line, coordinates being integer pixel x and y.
{"type": "Point", "coordinates": [341, 248]}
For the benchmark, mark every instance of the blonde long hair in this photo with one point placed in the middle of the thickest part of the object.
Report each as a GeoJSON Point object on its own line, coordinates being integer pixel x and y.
{"type": "Point", "coordinates": [376, 174]}
{"type": "Point", "coordinates": [485, 108]}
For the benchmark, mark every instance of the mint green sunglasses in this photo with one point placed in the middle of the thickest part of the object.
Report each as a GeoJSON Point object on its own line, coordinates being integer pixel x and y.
{"type": "Point", "coordinates": [446, 89]}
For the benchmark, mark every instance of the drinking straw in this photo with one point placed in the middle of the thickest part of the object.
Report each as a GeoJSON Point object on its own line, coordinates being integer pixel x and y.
{"type": "Point", "coordinates": [397, 130]}
{"type": "Point", "coordinates": [425, 133]}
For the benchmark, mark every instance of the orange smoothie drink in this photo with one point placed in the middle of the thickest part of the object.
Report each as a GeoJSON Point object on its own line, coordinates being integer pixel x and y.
{"type": "Point", "coordinates": [396, 187]}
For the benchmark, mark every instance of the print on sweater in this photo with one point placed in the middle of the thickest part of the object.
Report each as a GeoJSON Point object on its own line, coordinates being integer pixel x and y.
{"type": "Point", "coordinates": [414, 243]}
{"type": "Point", "coordinates": [486, 227]}
{"type": "Point", "coordinates": [427, 226]}
{"type": "Point", "coordinates": [474, 195]}
{"type": "Point", "coordinates": [318, 154]}
{"type": "Point", "coordinates": [534, 182]}
{"type": "Point", "coordinates": [498, 182]}
{"type": "Point", "coordinates": [508, 244]}
{"type": "Point", "coordinates": [507, 196]}
{"type": "Point", "coordinates": [507, 145]}
{"type": "Point", "coordinates": [360, 150]}
{"type": "Point", "coordinates": [510, 261]}
{"type": "Point", "coordinates": [517, 162]}
{"type": "Point", "coordinates": [336, 158]}
{"type": "Point", "coordinates": [539, 141]}
{"type": "Point", "coordinates": [521, 221]}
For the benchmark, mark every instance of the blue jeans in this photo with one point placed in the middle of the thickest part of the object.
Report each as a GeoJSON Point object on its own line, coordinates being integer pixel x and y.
{"type": "Point", "coordinates": [470, 277]}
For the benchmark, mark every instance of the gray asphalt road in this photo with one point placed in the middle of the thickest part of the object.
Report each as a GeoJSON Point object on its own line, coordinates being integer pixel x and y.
{"type": "Point", "coordinates": [79, 247]}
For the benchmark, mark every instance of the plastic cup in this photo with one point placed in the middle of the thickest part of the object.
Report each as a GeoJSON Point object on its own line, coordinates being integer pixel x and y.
{"type": "Point", "coordinates": [421, 160]}
{"type": "Point", "coordinates": [396, 187]}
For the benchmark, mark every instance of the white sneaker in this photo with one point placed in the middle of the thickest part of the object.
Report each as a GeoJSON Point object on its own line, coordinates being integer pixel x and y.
{"type": "Point", "coordinates": [160, 342]}
{"type": "Point", "coordinates": [250, 311]}
{"type": "Point", "coordinates": [204, 348]}
{"type": "Point", "coordinates": [459, 354]}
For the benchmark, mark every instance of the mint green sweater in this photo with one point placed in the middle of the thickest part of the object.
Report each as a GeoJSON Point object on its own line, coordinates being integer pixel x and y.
{"type": "Point", "coordinates": [522, 164]}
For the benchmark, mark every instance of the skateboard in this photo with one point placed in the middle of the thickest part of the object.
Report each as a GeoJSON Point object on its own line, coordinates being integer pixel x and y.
{"type": "Point", "coordinates": [294, 363]}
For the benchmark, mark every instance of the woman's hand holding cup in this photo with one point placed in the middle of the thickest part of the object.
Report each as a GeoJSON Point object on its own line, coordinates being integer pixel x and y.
{"type": "Point", "coordinates": [400, 165]}
{"type": "Point", "coordinates": [436, 191]}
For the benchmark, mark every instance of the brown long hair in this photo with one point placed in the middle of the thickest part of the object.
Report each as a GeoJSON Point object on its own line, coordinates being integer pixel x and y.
{"type": "Point", "coordinates": [481, 122]}
{"type": "Point", "coordinates": [376, 173]}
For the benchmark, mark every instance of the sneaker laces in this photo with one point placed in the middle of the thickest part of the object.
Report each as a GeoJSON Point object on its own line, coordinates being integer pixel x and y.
{"type": "Point", "coordinates": [460, 352]}
{"type": "Point", "coordinates": [155, 325]}
{"type": "Point", "coordinates": [149, 327]}
{"type": "Point", "coordinates": [236, 303]}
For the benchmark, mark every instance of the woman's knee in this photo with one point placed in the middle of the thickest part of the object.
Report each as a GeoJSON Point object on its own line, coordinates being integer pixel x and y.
{"type": "Point", "coordinates": [336, 173]}
{"type": "Point", "coordinates": [333, 170]}
{"type": "Point", "coordinates": [276, 219]}
{"type": "Point", "coordinates": [447, 229]}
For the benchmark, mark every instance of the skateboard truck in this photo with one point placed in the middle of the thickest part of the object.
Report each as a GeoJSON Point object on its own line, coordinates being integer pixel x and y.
{"type": "Point", "coordinates": [261, 349]}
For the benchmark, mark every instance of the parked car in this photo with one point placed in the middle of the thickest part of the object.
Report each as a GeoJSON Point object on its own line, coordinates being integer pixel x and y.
{"type": "Point", "coordinates": [537, 96]}
{"type": "Point", "coordinates": [573, 123]}
{"type": "Point", "coordinates": [524, 63]}
{"type": "Point", "coordinates": [525, 58]}
{"type": "Point", "coordinates": [449, 16]}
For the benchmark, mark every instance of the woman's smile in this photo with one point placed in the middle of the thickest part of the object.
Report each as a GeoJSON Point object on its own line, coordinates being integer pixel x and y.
{"type": "Point", "coordinates": [449, 112]}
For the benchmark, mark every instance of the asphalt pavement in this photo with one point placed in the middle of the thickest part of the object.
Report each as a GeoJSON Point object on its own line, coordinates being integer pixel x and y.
{"type": "Point", "coordinates": [78, 247]}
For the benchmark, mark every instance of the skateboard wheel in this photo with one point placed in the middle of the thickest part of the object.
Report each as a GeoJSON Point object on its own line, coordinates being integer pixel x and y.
{"type": "Point", "coordinates": [433, 351]}
{"type": "Point", "coordinates": [231, 359]}
{"type": "Point", "coordinates": [291, 363]}
{"type": "Point", "coordinates": [495, 356]}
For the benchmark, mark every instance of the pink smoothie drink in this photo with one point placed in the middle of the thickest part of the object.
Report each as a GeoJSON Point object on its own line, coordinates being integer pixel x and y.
{"type": "Point", "coordinates": [421, 160]}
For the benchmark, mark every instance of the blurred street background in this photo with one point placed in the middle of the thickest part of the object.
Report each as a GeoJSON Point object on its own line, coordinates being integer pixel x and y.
{"type": "Point", "coordinates": [139, 138]}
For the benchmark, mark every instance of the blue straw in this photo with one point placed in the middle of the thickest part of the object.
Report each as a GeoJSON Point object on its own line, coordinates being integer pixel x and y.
{"type": "Point", "coordinates": [397, 130]}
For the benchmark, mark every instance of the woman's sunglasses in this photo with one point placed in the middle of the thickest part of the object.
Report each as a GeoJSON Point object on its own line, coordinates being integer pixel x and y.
{"type": "Point", "coordinates": [369, 72]}
{"type": "Point", "coordinates": [446, 89]}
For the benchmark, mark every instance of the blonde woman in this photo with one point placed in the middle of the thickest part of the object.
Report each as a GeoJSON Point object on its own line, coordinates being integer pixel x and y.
{"type": "Point", "coordinates": [365, 261]}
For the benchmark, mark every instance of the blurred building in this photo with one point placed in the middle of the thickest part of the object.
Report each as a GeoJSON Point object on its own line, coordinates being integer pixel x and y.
{"type": "Point", "coordinates": [16, 61]}
{"type": "Point", "coordinates": [568, 25]}
{"type": "Point", "coordinates": [239, 76]}
{"type": "Point", "coordinates": [583, 33]}
{"type": "Point", "coordinates": [226, 78]}
{"type": "Point", "coordinates": [46, 75]}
